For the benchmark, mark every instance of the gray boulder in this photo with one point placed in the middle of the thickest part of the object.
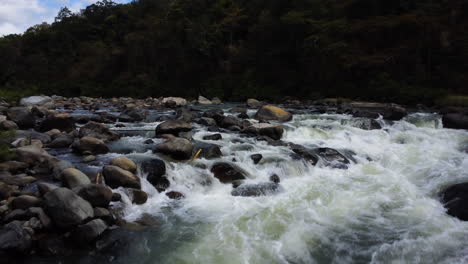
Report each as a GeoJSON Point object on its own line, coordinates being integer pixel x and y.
{"type": "Point", "coordinates": [97, 195]}
{"type": "Point", "coordinates": [117, 177]}
{"type": "Point", "coordinates": [176, 148]}
{"type": "Point", "coordinates": [66, 208]}
{"type": "Point", "coordinates": [99, 131]}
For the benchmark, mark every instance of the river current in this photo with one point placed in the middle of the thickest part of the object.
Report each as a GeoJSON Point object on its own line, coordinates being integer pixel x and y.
{"type": "Point", "coordinates": [384, 208]}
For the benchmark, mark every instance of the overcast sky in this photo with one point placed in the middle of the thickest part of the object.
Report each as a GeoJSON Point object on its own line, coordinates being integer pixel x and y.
{"type": "Point", "coordinates": [18, 15]}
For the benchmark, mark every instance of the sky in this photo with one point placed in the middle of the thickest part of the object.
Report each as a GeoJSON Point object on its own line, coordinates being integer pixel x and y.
{"type": "Point", "coordinates": [18, 15]}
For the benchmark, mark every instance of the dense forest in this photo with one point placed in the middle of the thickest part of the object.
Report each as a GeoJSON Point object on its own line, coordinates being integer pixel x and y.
{"type": "Point", "coordinates": [407, 51]}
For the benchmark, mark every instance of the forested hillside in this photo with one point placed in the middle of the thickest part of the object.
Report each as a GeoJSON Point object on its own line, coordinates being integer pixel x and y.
{"type": "Point", "coordinates": [407, 51]}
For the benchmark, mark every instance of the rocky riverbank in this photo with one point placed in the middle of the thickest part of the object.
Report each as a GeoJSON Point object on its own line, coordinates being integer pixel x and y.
{"type": "Point", "coordinates": [50, 206]}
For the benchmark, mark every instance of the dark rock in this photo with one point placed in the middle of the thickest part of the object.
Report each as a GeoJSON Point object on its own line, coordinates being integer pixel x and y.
{"type": "Point", "coordinates": [88, 232]}
{"type": "Point", "coordinates": [13, 166]}
{"type": "Point", "coordinates": [97, 195]}
{"type": "Point", "coordinates": [230, 121]}
{"type": "Point", "coordinates": [243, 116]}
{"type": "Point", "coordinates": [23, 215]}
{"type": "Point", "coordinates": [31, 134]}
{"type": "Point", "coordinates": [213, 129]}
{"type": "Point", "coordinates": [175, 195]}
{"type": "Point", "coordinates": [22, 116]}
{"type": "Point", "coordinates": [227, 173]}
{"type": "Point", "coordinates": [274, 132]}
{"type": "Point", "coordinates": [275, 178]}
{"type": "Point", "coordinates": [260, 189]}
{"type": "Point", "coordinates": [304, 153]}
{"type": "Point", "coordinates": [374, 110]}
{"type": "Point", "coordinates": [332, 158]}
{"type": "Point", "coordinates": [104, 214]}
{"type": "Point", "coordinates": [156, 171]}
{"type": "Point", "coordinates": [138, 196]}
{"type": "Point", "coordinates": [212, 113]}
{"type": "Point", "coordinates": [455, 120]}
{"type": "Point", "coordinates": [61, 141]}
{"type": "Point", "coordinates": [206, 121]}
{"type": "Point", "coordinates": [66, 208]}
{"type": "Point", "coordinates": [149, 141]}
{"type": "Point", "coordinates": [208, 151]}
{"type": "Point", "coordinates": [99, 131]}
{"type": "Point", "coordinates": [135, 114]}
{"type": "Point", "coordinates": [25, 202]}
{"type": "Point", "coordinates": [185, 114]}
{"type": "Point", "coordinates": [14, 238]}
{"type": "Point", "coordinates": [455, 199]}
{"type": "Point", "coordinates": [6, 191]}
{"type": "Point", "coordinates": [8, 125]}
{"type": "Point", "coordinates": [60, 121]}
{"type": "Point", "coordinates": [117, 177]}
{"type": "Point", "coordinates": [270, 112]}
{"type": "Point", "coordinates": [173, 127]}
{"type": "Point", "coordinates": [256, 158]}
{"type": "Point", "coordinates": [176, 148]}
{"type": "Point", "coordinates": [90, 145]}
{"type": "Point", "coordinates": [213, 137]}
{"type": "Point", "coordinates": [52, 245]}
{"type": "Point", "coordinates": [116, 197]}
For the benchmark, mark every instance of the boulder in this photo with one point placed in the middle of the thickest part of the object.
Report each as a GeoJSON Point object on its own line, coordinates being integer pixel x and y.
{"type": "Point", "coordinates": [176, 148]}
{"type": "Point", "coordinates": [261, 189]}
{"type": "Point", "coordinates": [213, 137]}
{"type": "Point", "coordinates": [6, 191]}
{"type": "Point", "coordinates": [61, 141]}
{"type": "Point", "coordinates": [104, 214]}
{"type": "Point", "coordinates": [37, 101]}
{"type": "Point", "coordinates": [256, 158]}
{"type": "Point", "coordinates": [272, 131]}
{"type": "Point", "coordinates": [174, 102]}
{"type": "Point", "coordinates": [208, 151]}
{"type": "Point", "coordinates": [214, 113]}
{"type": "Point", "coordinates": [138, 196]}
{"type": "Point", "coordinates": [88, 232]}
{"type": "Point", "coordinates": [97, 195]}
{"type": "Point", "coordinates": [455, 120]}
{"type": "Point", "coordinates": [173, 127]}
{"type": "Point", "coordinates": [8, 125]}
{"type": "Point", "coordinates": [14, 238]}
{"type": "Point", "coordinates": [455, 199]}
{"type": "Point", "coordinates": [306, 154]}
{"type": "Point", "coordinates": [175, 195]}
{"type": "Point", "coordinates": [156, 171]}
{"type": "Point", "coordinates": [66, 208]}
{"type": "Point", "coordinates": [22, 116]}
{"type": "Point", "coordinates": [45, 187]}
{"type": "Point", "coordinates": [13, 166]}
{"type": "Point", "coordinates": [33, 155]}
{"type": "Point", "coordinates": [134, 114]}
{"type": "Point", "coordinates": [90, 145]}
{"type": "Point", "coordinates": [206, 121]}
{"type": "Point", "coordinates": [60, 121]}
{"type": "Point", "coordinates": [271, 112]}
{"type": "Point", "coordinates": [332, 157]}
{"type": "Point", "coordinates": [124, 163]}
{"type": "Point", "coordinates": [204, 101]}
{"type": "Point", "coordinates": [25, 202]}
{"type": "Point", "coordinates": [72, 178]}
{"type": "Point", "coordinates": [274, 178]}
{"type": "Point", "coordinates": [227, 173]}
{"type": "Point", "coordinates": [116, 177]}
{"type": "Point", "coordinates": [99, 131]}
{"type": "Point", "coordinates": [374, 110]}
{"type": "Point", "coordinates": [253, 103]}
{"type": "Point", "coordinates": [33, 135]}
{"type": "Point", "coordinates": [23, 215]}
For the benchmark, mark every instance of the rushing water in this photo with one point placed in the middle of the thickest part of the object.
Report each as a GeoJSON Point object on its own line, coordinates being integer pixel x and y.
{"type": "Point", "coordinates": [383, 209]}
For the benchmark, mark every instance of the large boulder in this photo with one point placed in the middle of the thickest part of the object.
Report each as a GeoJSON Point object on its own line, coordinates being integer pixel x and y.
{"type": "Point", "coordinates": [66, 208]}
{"type": "Point", "coordinates": [263, 129]}
{"type": "Point", "coordinates": [173, 127]}
{"type": "Point", "coordinates": [455, 199]}
{"type": "Point", "coordinates": [25, 202]}
{"type": "Point", "coordinates": [117, 177]}
{"type": "Point", "coordinates": [332, 157]}
{"type": "Point", "coordinates": [260, 189]}
{"type": "Point", "coordinates": [99, 131]}
{"type": "Point", "coordinates": [455, 120]}
{"type": "Point", "coordinates": [72, 178]}
{"type": "Point", "coordinates": [271, 112]}
{"type": "Point", "coordinates": [90, 145]}
{"type": "Point", "coordinates": [88, 232]}
{"type": "Point", "coordinates": [22, 116]}
{"type": "Point", "coordinates": [208, 150]}
{"type": "Point", "coordinates": [14, 238]}
{"type": "Point", "coordinates": [124, 163]}
{"type": "Point", "coordinates": [61, 141]}
{"type": "Point", "coordinates": [227, 173]}
{"type": "Point", "coordinates": [34, 155]}
{"type": "Point", "coordinates": [253, 103]}
{"type": "Point", "coordinates": [156, 171]}
{"type": "Point", "coordinates": [97, 195]}
{"type": "Point", "coordinates": [176, 148]}
{"type": "Point", "coordinates": [37, 101]}
{"type": "Point", "coordinates": [174, 101]}
{"type": "Point", "coordinates": [305, 153]}
{"type": "Point", "coordinates": [60, 121]}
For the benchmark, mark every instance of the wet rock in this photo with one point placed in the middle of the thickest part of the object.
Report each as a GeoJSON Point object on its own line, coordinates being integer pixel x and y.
{"type": "Point", "coordinates": [455, 120]}
{"type": "Point", "coordinates": [90, 145]}
{"type": "Point", "coordinates": [374, 110]}
{"type": "Point", "coordinates": [99, 131]}
{"type": "Point", "coordinates": [253, 103]}
{"type": "Point", "coordinates": [172, 102]}
{"type": "Point", "coordinates": [124, 163]}
{"type": "Point", "coordinates": [275, 178]}
{"type": "Point", "coordinates": [134, 114]}
{"type": "Point", "coordinates": [116, 197]}
{"type": "Point", "coordinates": [25, 202]}
{"type": "Point", "coordinates": [230, 121]}
{"type": "Point", "coordinates": [88, 232]}
{"type": "Point", "coordinates": [213, 137]}
{"type": "Point", "coordinates": [97, 195]}
{"type": "Point", "coordinates": [14, 238]}
{"type": "Point", "coordinates": [8, 125]}
{"type": "Point", "coordinates": [60, 121]}
{"type": "Point", "coordinates": [37, 101]}
{"type": "Point", "coordinates": [176, 148]}
{"type": "Point", "coordinates": [149, 141]}
{"type": "Point", "coordinates": [214, 114]}
{"type": "Point", "coordinates": [138, 196]}
{"type": "Point", "coordinates": [305, 153]}
{"type": "Point", "coordinates": [61, 141]}
{"type": "Point", "coordinates": [33, 155]}
{"type": "Point", "coordinates": [243, 116]}
{"type": "Point", "coordinates": [270, 112]}
{"type": "Point", "coordinates": [116, 177]}
{"type": "Point", "coordinates": [256, 158]}
{"type": "Point", "coordinates": [272, 131]}
{"type": "Point", "coordinates": [261, 189]}
{"type": "Point", "coordinates": [156, 171]}
{"type": "Point", "coordinates": [206, 121]}
{"type": "Point", "coordinates": [72, 178]}
{"type": "Point", "coordinates": [104, 214]}
{"type": "Point", "coordinates": [173, 127]}
{"type": "Point", "coordinates": [66, 208]}
{"type": "Point", "coordinates": [22, 116]}
{"type": "Point", "coordinates": [58, 166]}
{"type": "Point", "coordinates": [227, 173]}
{"type": "Point", "coordinates": [175, 195]}
{"type": "Point", "coordinates": [208, 151]}
{"type": "Point", "coordinates": [333, 158]}
{"type": "Point", "coordinates": [455, 199]}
